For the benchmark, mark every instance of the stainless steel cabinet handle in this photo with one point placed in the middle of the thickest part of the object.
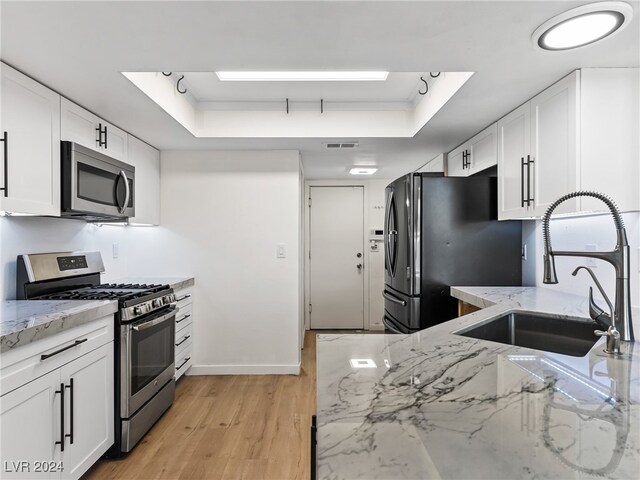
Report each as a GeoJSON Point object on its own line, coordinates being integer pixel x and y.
{"type": "Point", "coordinates": [393, 299]}
{"type": "Point", "coordinates": [155, 321]}
{"type": "Point", "coordinates": [183, 340]}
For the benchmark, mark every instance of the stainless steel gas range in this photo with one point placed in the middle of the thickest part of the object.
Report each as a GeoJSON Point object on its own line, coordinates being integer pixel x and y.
{"type": "Point", "coordinates": [144, 337]}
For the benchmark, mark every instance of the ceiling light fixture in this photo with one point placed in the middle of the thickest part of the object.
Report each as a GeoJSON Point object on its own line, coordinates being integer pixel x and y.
{"type": "Point", "coordinates": [582, 26]}
{"type": "Point", "coordinates": [301, 76]}
{"type": "Point", "coordinates": [362, 171]}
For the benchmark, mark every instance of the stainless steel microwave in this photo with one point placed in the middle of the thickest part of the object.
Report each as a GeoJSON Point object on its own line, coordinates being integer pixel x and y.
{"type": "Point", "coordinates": [95, 187]}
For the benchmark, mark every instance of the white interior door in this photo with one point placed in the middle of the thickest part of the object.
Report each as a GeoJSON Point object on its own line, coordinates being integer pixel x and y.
{"type": "Point", "coordinates": [336, 263]}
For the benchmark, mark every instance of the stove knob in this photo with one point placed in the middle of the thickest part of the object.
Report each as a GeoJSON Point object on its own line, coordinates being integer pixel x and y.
{"type": "Point", "coordinates": [137, 310]}
{"type": "Point", "coordinates": [156, 303]}
{"type": "Point", "coordinates": [167, 299]}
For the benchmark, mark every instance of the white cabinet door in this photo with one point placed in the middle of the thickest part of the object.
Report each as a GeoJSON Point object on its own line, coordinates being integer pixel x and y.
{"type": "Point", "coordinates": [514, 137]}
{"type": "Point", "coordinates": [483, 150]}
{"type": "Point", "coordinates": [81, 126]}
{"type": "Point", "coordinates": [457, 162]}
{"type": "Point", "coordinates": [30, 116]}
{"type": "Point", "coordinates": [89, 409]}
{"type": "Point", "coordinates": [30, 425]}
{"type": "Point", "coordinates": [554, 142]}
{"type": "Point", "coordinates": [146, 159]}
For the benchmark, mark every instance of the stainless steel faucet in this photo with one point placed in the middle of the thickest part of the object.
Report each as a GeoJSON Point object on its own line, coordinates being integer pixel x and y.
{"type": "Point", "coordinates": [618, 257]}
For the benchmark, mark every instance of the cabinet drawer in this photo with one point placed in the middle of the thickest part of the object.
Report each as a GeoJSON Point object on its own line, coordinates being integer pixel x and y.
{"type": "Point", "coordinates": [184, 317]}
{"type": "Point", "coordinates": [183, 362]}
{"type": "Point", "coordinates": [24, 364]}
{"type": "Point", "coordinates": [184, 338]}
{"type": "Point", "coordinates": [184, 297]}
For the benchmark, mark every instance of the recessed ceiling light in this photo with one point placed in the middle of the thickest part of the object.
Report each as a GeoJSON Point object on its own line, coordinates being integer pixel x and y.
{"type": "Point", "coordinates": [362, 171]}
{"type": "Point", "coordinates": [582, 26]}
{"type": "Point", "coordinates": [301, 76]}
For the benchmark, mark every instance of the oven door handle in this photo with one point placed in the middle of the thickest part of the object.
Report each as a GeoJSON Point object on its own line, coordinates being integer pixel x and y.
{"type": "Point", "coordinates": [155, 321]}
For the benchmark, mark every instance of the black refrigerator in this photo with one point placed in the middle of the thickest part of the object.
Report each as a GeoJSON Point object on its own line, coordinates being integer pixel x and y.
{"type": "Point", "coordinates": [438, 232]}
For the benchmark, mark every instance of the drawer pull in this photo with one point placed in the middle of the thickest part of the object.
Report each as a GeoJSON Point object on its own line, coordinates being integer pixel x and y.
{"type": "Point", "coordinates": [61, 392]}
{"type": "Point", "coordinates": [183, 318]}
{"type": "Point", "coordinates": [183, 340]}
{"type": "Point", "coordinates": [183, 298]}
{"type": "Point", "coordinates": [74, 344]}
{"type": "Point", "coordinates": [393, 299]}
{"type": "Point", "coordinates": [183, 363]}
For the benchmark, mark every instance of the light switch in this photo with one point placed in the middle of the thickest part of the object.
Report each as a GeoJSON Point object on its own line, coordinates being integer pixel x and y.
{"type": "Point", "coordinates": [281, 251]}
{"type": "Point", "coordinates": [115, 250]}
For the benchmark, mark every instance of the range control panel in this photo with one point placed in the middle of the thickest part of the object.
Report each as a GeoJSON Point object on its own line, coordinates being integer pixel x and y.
{"type": "Point", "coordinates": [72, 263]}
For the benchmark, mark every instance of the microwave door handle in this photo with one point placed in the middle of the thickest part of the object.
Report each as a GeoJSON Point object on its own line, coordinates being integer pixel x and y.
{"type": "Point", "coordinates": [126, 190]}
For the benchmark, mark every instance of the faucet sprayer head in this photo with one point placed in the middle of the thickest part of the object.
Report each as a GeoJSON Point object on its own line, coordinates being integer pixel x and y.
{"type": "Point", "coordinates": [549, 274]}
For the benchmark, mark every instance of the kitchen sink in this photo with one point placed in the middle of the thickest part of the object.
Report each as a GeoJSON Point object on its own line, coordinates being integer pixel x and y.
{"type": "Point", "coordinates": [550, 333]}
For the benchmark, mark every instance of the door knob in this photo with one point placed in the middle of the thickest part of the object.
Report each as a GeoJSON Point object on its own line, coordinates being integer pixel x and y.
{"type": "Point", "coordinates": [359, 266]}
{"type": "Point", "coordinates": [358, 254]}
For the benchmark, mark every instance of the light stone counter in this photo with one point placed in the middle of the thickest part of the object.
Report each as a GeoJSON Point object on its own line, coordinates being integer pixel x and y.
{"type": "Point", "coordinates": [25, 321]}
{"type": "Point", "coordinates": [174, 282]}
{"type": "Point", "coordinates": [440, 405]}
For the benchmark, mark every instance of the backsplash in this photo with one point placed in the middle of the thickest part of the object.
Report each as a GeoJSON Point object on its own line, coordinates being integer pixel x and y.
{"type": "Point", "coordinates": [593, 232]}
{"type": "Point", "coordinates": [41, 234]}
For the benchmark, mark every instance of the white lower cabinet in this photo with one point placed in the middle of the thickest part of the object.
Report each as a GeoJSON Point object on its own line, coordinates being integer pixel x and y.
{"type": "Point", "coordinates": [58, 424]}
{"type": "Point", "coordinates": [29, 429]}
{"type": "Point", "coordinates": [89, 404]}
{"type": "Point", "coordinates": [184, 331]}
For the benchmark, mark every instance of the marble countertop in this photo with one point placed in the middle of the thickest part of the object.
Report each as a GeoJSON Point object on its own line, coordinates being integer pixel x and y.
{"type": "Point", "coordinates": [174, 282]}
{"type": "Point", "coordinates": [25, 321]}
{"type": "Point", "coordinates": [439, 405]}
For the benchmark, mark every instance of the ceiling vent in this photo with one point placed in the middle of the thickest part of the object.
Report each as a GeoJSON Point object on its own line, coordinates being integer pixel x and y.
{"type": "Point", "coordinates": [342, 145]}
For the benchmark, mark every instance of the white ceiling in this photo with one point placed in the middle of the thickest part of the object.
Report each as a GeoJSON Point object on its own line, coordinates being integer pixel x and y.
{"type": "Point", "coordinates": [80, 48]}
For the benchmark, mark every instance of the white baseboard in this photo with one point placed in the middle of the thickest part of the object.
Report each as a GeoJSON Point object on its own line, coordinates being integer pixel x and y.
{"type": "Point", "coordinates": [244, 370]}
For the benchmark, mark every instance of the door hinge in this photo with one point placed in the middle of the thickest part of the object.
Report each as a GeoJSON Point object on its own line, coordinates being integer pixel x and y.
{"type": "Point", "coordinates": [309, 201]}
{"type": "Point", "coordinates": [310, 308]}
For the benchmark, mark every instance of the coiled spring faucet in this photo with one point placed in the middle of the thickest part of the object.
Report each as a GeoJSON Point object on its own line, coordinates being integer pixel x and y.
{"type": "Point", "coordinates": [619, 257]}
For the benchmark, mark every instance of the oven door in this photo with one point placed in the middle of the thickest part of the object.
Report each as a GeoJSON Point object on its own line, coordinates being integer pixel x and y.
{"type": "Point", "coordinates": [147, 356]}
{"type": "Point", "coordinates": [95, 184]}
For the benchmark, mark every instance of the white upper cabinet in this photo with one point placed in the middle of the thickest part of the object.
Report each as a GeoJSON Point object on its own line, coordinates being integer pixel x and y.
{"type": "Point", "coordinates": [435, 165]}
{"type": "Point", "coordinates": [579, 134]}
{"type": "Point", "coordinates": [30, 129]}
{"type": "Point", "coordinates": [475, 155]}
{"type": "Point", "coordinates": [483, 150]}
{"type": "Point", "coordinates": [81, 126]}
{"type": "Point", "coordinates": [513, 147]}
{"type": "Point", "coordinates": [457, 161]}
{"type": "Point", "coordinates": [146, 159]}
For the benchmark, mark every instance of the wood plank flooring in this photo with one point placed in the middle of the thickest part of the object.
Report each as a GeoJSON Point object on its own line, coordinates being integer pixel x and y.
{"type": "Point", "coordinates": [228, 427]}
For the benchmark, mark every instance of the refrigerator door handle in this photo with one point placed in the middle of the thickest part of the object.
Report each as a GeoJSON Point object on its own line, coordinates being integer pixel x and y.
{"type": "Point", "coordinates": [393, 299]}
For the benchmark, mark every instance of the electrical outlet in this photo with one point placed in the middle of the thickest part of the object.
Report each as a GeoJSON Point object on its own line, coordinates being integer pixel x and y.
{"type": "Point", "coordinates": [115, 250]}
{"type": "Point", "coordinates": [591, 262]}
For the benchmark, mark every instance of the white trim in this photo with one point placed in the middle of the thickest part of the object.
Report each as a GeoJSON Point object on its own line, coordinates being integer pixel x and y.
{"type": "Point", "coordinates": [244, 370]}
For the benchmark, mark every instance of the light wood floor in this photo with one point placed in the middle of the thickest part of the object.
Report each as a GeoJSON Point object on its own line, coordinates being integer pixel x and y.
{"type": "Point", "coordinates": [229, 427]}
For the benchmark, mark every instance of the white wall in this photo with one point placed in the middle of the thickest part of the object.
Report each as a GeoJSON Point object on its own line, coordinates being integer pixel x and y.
{"type": "Point", "coordinates": [576, 233]}
{"type": "Point", "coordinates": [222, 215]}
